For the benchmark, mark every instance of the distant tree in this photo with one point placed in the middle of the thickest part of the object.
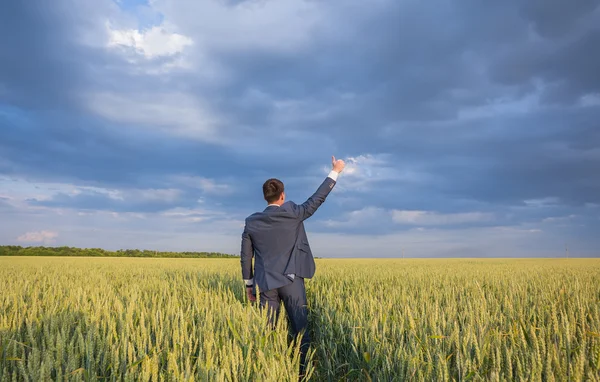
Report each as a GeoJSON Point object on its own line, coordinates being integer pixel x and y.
{"type": "Point", "coordinates": [16, 250]}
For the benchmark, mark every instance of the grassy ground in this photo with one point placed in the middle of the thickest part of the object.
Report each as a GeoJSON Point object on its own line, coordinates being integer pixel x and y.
{"type": "Point", "coordinates": [187, 319]}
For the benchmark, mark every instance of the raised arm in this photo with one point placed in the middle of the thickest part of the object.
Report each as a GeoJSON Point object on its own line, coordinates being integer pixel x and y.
{"type": "Point", "coordinates": [310, 206]}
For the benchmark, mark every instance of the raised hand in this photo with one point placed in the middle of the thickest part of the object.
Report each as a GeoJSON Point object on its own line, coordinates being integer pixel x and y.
{"type": "Point", "coordinates": [338, 165]}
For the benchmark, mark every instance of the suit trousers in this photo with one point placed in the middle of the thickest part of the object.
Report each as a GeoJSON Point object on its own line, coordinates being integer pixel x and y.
{"type": "Point", "coordinates": [294, 300]}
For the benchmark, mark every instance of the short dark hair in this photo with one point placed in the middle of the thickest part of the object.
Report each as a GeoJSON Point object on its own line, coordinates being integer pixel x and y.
{"type": "Point", "coordinates": [272, 190]}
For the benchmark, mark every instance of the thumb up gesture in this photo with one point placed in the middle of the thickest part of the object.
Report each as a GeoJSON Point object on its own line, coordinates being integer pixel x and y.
{"type": "Point", "coordinates": [338, 165]}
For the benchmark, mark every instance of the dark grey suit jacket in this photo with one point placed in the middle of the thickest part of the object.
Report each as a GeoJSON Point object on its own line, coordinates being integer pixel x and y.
{"type": "Point", "coordinates": [277, 240]}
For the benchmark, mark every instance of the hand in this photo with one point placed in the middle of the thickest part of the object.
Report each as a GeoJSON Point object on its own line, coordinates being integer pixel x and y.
{"type": "Point", "coordinates": [250, 293]}
{"type": "Point", "coordinates": [338, 165]}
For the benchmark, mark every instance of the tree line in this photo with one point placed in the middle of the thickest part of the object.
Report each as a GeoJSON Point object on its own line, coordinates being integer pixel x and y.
{"type": "Point", "coordinates": [16, 250]}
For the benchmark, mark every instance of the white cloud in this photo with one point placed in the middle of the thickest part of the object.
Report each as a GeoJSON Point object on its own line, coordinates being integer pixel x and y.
{"type": "Point", "coordinates": [282, 25]}
{"type": "Point", "coordinates": [501, 106]}
{"type": "Point", "coordinates": [151, 43]}
{"type": "Point", "coordinates": [208, 230]}
{"type": "Point", "coordinates": [20, 191]}
{"type": "Point", "coordinates": [38, 237]}
{"type": "Point", "coordinates": [177, 113]}
{"type": "Point", "coordinates": [359, 217]}
{"type": "Point", "coordinates": [209, 186]}
{"type": "Point", "coordinates": [165, 194]}
{"type": "Point", "coordinates": [198, 37]}
{"type": "Point", "coordinates": [110, 193]}
{"type": "Point", "coordinates": [147, 194]}
{"type": "Point", "coordinates": [542, 202]}
{"type": "Point", "coordinates": [556, 219]}
{"type": "Point", "coordinates": [125, 216]}
{"type": "Point", "coordinates": [421, 242]}
{"type": "Point", "coordinates": [364, 165]}
{"type": "Point", "coordinates": [371, 215]}
{"type": "Point", "coordinates": [133, 194]}
{"type": "Point", "coordinates": [590, 100]}
{"type": "Point", "coordinates": [205, 231]}
{"type": "Point", "coordinates": [517, 229]}
{"type": "Point", "coordinates": [364, 171]}
{"type": "Point", "coordinates": [188, 213]}
{"type": "Point", "coordinates": [434, 218]}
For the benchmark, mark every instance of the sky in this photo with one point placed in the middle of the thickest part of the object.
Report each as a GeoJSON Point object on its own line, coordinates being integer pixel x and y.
{"type": "Point", "coordinates": [469, 129]}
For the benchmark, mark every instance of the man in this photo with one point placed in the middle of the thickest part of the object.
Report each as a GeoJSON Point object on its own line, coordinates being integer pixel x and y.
{"type": "Point", "coordinates": [283, 258]}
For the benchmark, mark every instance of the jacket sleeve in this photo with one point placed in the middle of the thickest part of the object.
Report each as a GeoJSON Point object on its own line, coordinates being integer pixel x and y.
{"type": "Point", "coordinates": [246, 256]}
{"type": "Point", "coordinates": [309, 207]}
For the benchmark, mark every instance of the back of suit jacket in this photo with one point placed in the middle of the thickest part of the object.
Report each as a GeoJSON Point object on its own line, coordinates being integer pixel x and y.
{"type": "Point", "coordinates": [278, 241]}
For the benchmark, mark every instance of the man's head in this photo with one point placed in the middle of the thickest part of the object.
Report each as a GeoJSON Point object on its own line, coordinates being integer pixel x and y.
{"type": "Point", "coordinates": [273, 191]}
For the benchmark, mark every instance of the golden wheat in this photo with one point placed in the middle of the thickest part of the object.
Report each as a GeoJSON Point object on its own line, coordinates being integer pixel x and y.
{"type": "Point", "coordinates": [187, 319]}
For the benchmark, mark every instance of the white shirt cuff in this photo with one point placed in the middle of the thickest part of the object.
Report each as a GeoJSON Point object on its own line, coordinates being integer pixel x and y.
{"type": "Point", "coordinates": [333, 175]}
{"type": "Point", "coordinates": [249, 282]}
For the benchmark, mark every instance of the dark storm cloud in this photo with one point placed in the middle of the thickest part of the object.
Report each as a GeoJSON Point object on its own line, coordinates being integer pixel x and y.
{"type": "Point", "coordinates": [43, 73]}
{"type": "Point", "coordinates": [417, 62]}
{"type": "Point", "coordinates": [83, 152]}
{"type": "Point", "coordinates": [563, 55]}
{"type": "Point", "coordinates": [84, 148]}
{"type": "Point", "coordinates": [397, 81]}
{"type": "Point", "coordinates": [413, 66]}
{"type": "Point", "coordinates": [556, 18]}
{"type": "Point", "coordinates": [40, 64]}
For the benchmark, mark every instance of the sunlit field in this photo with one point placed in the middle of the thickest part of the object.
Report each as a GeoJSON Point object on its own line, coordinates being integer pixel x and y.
{"type": "Point", "coordinates": [187, 319]}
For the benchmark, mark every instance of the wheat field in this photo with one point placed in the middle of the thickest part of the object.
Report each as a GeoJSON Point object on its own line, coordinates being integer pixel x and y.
{"type": "Point", "coordinates": [187, 319]}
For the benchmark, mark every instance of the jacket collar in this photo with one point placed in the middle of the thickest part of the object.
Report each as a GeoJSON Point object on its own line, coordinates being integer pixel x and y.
{"type": "Point", "coordinates": [271, 207]}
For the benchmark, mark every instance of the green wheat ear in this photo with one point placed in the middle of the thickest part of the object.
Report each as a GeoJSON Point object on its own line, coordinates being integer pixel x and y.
{"type": "Point", "coordinates": [381, 320]}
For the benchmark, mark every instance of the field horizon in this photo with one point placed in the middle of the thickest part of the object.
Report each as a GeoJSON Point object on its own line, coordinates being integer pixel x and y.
{"type": "Point", "coordinates": [164, 254]}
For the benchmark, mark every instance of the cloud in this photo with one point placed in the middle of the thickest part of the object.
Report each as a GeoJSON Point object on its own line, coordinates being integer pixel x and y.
{"type": "Point", "coordinates": [208, 186]}
{"type": "Point", "coordinates": [376, 220]}
{"type": "Point", "coordinates": [367, 172]}
{"type": "Point", "coordinates": [504, 242]}
{"type": "Point", "coordinates": [176, 113]}
{"type": "Point", "coordinates": [542, 202]}
{"type": "Point", "coordinates": [118, 111]}
{"type": "Point", "coordinates": [558, 219]}
{"type": "Point", "coordinates": [46, 237]}
{"type": "Point", "coordinates": [363, 165]}
{"type": "Point", "coordinates": [154, 42]}
{"type": "Point", "coordinates": [433, 218]}
{"type": "Point", "coordinates": [149, 200]}
{"type": "Point", "coordinates": [359, 218]}
{"type": "Point", "coordinates": [247, 25]}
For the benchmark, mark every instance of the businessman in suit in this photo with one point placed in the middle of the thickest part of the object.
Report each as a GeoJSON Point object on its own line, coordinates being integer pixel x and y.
{"type": "Point", "coordinates": [277, 240]}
